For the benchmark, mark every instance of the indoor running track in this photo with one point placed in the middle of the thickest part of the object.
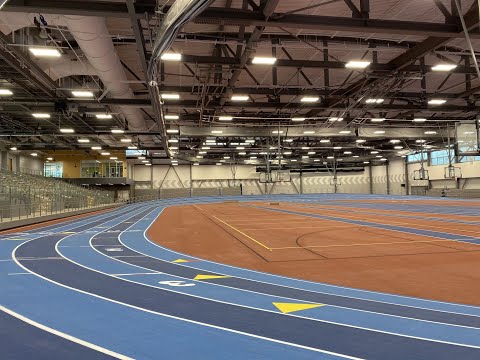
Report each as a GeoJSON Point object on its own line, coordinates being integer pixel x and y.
{"type": "Point", "coordinates": [96, 287]}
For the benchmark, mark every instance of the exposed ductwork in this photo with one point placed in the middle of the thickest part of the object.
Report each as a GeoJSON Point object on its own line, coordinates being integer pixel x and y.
{"type": "Point", "coordinates": [92, 35]}
{"type": "Point", "coordinates": [181, 12]}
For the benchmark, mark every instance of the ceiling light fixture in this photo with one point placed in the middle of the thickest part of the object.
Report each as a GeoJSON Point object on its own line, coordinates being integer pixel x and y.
{"type": "Point", "coordinates": [430, 132]}
{"type": "Point", "coordinates": [172, 131]}
{"type": "Point", "coordinates": [103, 116]}
{"type": "Point", "coordinates": [309, 132]}
{"type": "Point", "coordinates": [419, 120]}
{"type": "Point", "coordinates": [277, 132]}
{"type": "Point", "coordinates": [117, 131]}
{"type": "Point", "coordinates": [126, 140]}
{"type": "Point", "coordinates": [96, 148]}
{"type": "Point", "coordinates": [335, 119]}
{"type": "Point", "coordinates": [45, 52]}
{"type": "Point", "coordinates": [105, 153]}
{"type": "Point", "coordinates": [217, 132]}
{"type": "Point", "coordinates": [444, 67]}
{"type": "Point", "coordinates": [379, 132]}
{"type": "Point", "coordinates": [310, 99]}
{"type": "Point", "coordinates": [172, 117]}
{"type": "Point", "coordinates": [436, 101]}
{"type": "Point", "coordinates": [82, 93]}
{"type": "Point", "coordinates": [173, 140]}
{"type": "Point", "coordinates": [298, 119]}
{"type": "Point", "coordinates": [357, 64]}
{"type": "Point", "coordinates": [67, 131]}
{"type": "Point", "coordinates": [225, 118]}
{"type": "Point", "coordinates": [5, 92]}
{"type": "Point", "coordinates": [34, 154]}
{"type": "Point", "coordinates": [13, 148]}
{"type": "Point", "coordinates": [360, 141]}
{"type": "Point", "coordinates": [345, 132]}
{"type": "Point", "coordinates": [240, 98]}
{"type": "Point", "coordinates": [83, 140]}
{"type": "Point", "coordinates": [324, 141]}
{"type": "Point", "coordinates": [171, 57]}
{"type": "Point", "coordinates": [259, 60]}
{"type": "Point", "coordinates": [170, 96]}
{"type": "Point", "coordinates": [377, 120]}
{"type": "Point", "coordinates": [41, 115]}
{"type": "Point", "coordinates": [132, 148]}
{"type": "Point", "coordinates": [374, 101]}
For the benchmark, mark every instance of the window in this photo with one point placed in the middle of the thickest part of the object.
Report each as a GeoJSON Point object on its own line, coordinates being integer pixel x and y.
{"type": "Point", "coordinates": [53, 169]}
{"type": "Point", "coordinates": [440, 157]}
{"type": "Point", "coordinates": [97, 168]}
{"type": "Point", "coordinates": [416, 157]}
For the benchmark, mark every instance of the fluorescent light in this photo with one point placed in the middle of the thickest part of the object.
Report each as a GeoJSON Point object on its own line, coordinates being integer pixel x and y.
{"type": "Point", "coordinates": [83, 140]}
{"type": "Point", "coordinates": [366, 162]}
{"type": "Point", "coordinates": [324, 141]}
{"type": "Point", "coordinates": [132, 148]}
{"type": "Point", "coordinates": [356, 156]}
{"type": "Point", "coordinates": [172, 117]}
{"type": "Point", "coordinates": [337, 148]}
{"type": "Point", "coordinates": [82, 93]}
{"type": "Point", "coordinates": [226, 157]}
{"type": "Point", "coordinates": [41, 115]}
{"type": "Point", "coordinates": [258, 60]}
{"type": "Point", "coordinates": [148, 164]}
{"type": "Point", "coordinates": [96, 148]}
{"type": "Point", "coordinates": [113, 158]}
{"type": "Point", "coordinates": [171, 57]}
{"type": "Point", "coordinates": [305, 157]}
{"type": "Point", "coordinates": [5, 92]}
{"type": "Point", "coordinates": [357, 64]}
{"type": "Point", "coordinates": [202, 152]}
{"type": "Point", "coordinates": [383, 159]}
{"type": "Point", "coordinates": [251, 141]}
{"type": "Point", "coordinates": [126, 140]}
{"type": "Point", "coordinates": [13, 148]}
{"type": "Point", "coordinates": [34, 154]}
{"type": "Point", "coordinates": [398, 147]}
{"type": "Point", "coordinates": [105, 153]}
{"type": "Point", "coordinates": [117, 131]}
{"type": "Point", "coordinates": [345, 132]}
{"type": "Point", "coordinates": [172, 131]}
{"type": "Point", "coordinates": [173, 140]}
{"type": "Point", "coordinates": [141, 158]}
{"type": "Point", "coordinates": [379, 132]}
{"type": "Point", "coordinates": [298, 119]}
{"type": "Point", "coordinates": [195, 164]}
{"type": "Point", "coordinates": [395, 141]}
{"type": "Point", "coordinates": [240, 148]}
{"type": "Point", "coordinates": [287, 153]}
{"type": "Point", "coordinates": [50, 158]}
{"type": "Point", "coordinates": [143, 161]}
{"type": "Point", "coordinates": [374, 152]}
{"type": "Point", "coordinates": [199, 157]}
{"type": "Point", "coordinates": [288, 140]}
{"type": "Point", "coordinates": [377, 120]}
{"type": "Point", "coordinates": [333, 119]}
{"type": "Point", "coordinates": [67, 131]}
{"type": "Point", "coordinates": [173, 147]}
{"type": "Point", "coordinates": [360, 141]}
{"type": "Point", "coordinates": [293, 160]}
{"type": "Point", "coordinates": [239, 98]}
{"type": "Point", "coordinates": [311, 153]}
{"type": "Point", "coordinates": [305, 148]}
{"type": "Point", "coordinates": [419, 120]}
{"type": "Point", "coordinates": [309, 132]}
{"type": "Point", "coordinates": [310, 99]}
{"type": "Point", "coordinates": [242, 153]}
{"type": "Point", "coordinates": [437, 101]}
{"type": "Point", "coordinates": [217, 132]}
{"type": "Point", "coordinates": [170, 96]}
{"type": "Point", "coordinates": [277, 132]}
{"type": "Point", "coordinates": [103, 116]}
{"type": "Point", "coordinates": [444, 67]}
{"type": "Point", "coordinates": [205, 148]}
{"type": "Point", "coordinates": [225, 118]}
{"type": "Point", "coordinates": [430, 132]}
{"type": "Point", "coordinates": [253, 157]}
{"type": "Point", "coordinates": [374, 101]}
{"type": "Point", "coordinates": [218, 164]}
{"type": "Point", "coordinates": [347, 152]}
{"type": "Point", "coordinates": [45, 52]}
{"type": "Point", "coordinates": [330, 157]}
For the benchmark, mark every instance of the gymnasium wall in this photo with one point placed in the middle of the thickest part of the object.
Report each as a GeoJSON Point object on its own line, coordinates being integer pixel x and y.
{"type": "Point", "coordinates": [16, 161]}
{"type": "Point", "coordinates": [156, 177]}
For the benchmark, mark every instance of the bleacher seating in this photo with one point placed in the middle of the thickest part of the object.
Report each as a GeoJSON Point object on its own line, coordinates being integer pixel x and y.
{"type": "Point", "coordinates": [26, 195]}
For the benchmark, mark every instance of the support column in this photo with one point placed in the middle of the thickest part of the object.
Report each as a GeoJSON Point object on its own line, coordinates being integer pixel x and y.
{"type": "Point", "coordinates": [301, 182]}
{"type": "Point", "coordinates": [370, 178]}
{"type": "Point", "coordinates": [387, 172]}
{"type": "Point", "coordinates": [407, 179]}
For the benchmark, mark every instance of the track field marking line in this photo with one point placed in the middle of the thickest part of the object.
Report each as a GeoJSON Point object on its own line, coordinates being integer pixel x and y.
{"type": "Point", "coordinates": [63, 335]}
{"type": "Point", "coordinates": [247, 236]}
{"type": "Point", "coordinates": [407, 242]}
{"type": "Point", "coordinates": [398, 223]}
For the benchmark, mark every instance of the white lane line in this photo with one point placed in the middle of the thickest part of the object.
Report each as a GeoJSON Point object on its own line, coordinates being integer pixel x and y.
{"type": "Point", "coordinates": [140, 273]}
{"type": "Point", "coordinates": [65, 336]}
{"type": "Point", "coordinates": [185, 320]}
{"type": "Point", "coordinates": [19, 273]}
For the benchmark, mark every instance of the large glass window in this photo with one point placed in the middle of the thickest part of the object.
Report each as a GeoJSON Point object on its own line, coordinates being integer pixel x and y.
{"type": "Point", "coordinates": [97, 168]}
{"type": "Point", "coordinates": [416, 157]}
{"type": "Point", "coordinates": [440, 157]}
{"type": "Point", "coordinates": [53, 169]}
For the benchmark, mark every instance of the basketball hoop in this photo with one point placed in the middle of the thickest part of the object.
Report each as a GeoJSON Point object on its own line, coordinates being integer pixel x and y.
{"type": "Point", "coordinates": [452, 172]}
{"type": "Point", "coordinates": [421, 174]}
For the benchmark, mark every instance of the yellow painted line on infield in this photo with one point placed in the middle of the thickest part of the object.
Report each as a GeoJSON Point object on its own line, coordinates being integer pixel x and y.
{"type": "Point", "coordinates": [247, 236]}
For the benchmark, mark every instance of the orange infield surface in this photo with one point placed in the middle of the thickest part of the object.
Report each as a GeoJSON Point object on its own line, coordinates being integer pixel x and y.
{"type": "Point", "coordinates": [331, 251]}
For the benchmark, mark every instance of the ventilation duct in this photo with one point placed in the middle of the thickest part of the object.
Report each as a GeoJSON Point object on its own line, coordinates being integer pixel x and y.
{"type": "Point", "coordinates": [180, 13]}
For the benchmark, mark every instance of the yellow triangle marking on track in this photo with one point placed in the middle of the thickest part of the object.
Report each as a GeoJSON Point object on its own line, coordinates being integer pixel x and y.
{"type": "Point", "coordinates": [180, 261]}
{"type": "Point", "coordinates": [208, 277]}
{"type": "Point", "coordinates": [292, 307]}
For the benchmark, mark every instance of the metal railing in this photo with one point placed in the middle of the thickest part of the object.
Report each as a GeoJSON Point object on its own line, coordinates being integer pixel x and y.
{"type": "Point", "coordinates": [24, 195]}
{"type": "Point", "coordinates": [159, 194]}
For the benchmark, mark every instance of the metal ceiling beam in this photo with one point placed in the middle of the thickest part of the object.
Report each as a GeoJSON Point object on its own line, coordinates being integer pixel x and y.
{"type": "Point", "coordinates": [238, 17]}
{"type": "Point", "coordinates": [297, 63]}
{"type": "Point", "coordinates": [139, 38]}
{"type": "Point", "coordinates": [193, 104]}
